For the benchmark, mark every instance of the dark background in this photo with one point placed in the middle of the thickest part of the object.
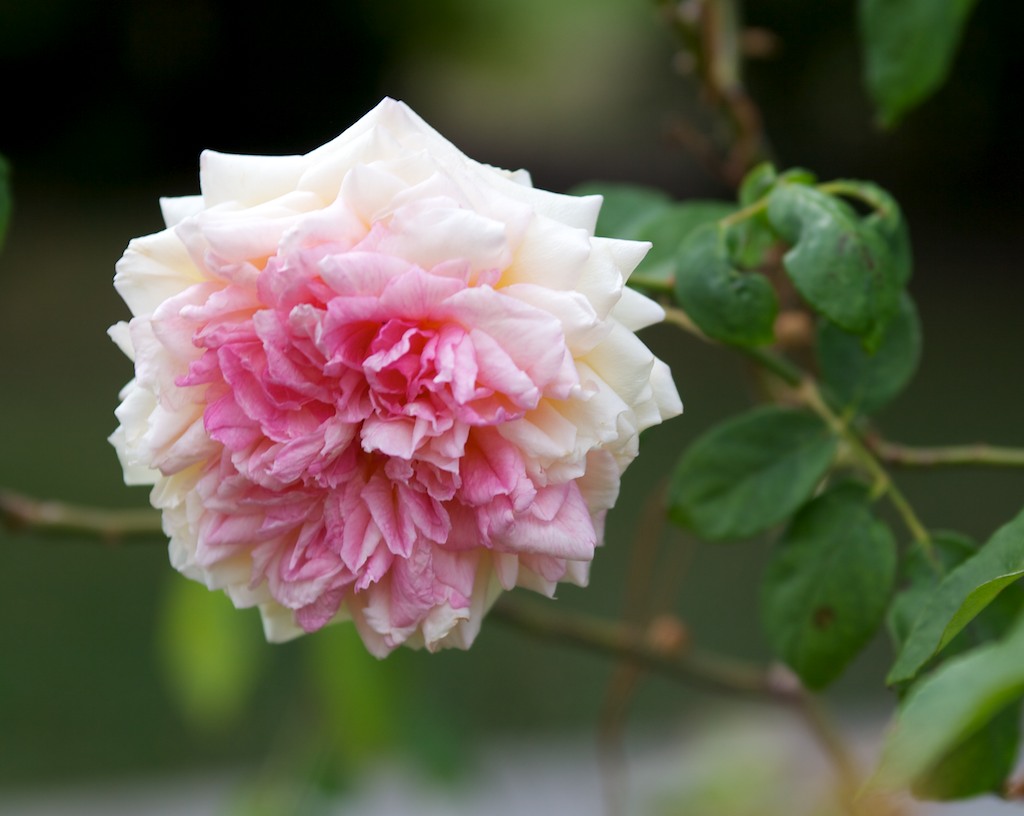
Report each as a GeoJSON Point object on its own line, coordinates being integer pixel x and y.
{"type": "Point", "coordinates": [106, 106]}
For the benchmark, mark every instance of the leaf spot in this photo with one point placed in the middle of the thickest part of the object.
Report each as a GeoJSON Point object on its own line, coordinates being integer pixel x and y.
{"type": "Point", "coordinates": [824, 617]}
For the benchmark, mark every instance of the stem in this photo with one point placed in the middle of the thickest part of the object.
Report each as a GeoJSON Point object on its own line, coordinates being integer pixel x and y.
{"type": "Point", "coordinates": [945, 456]}
{"type": "Point", "coordinates": [18, 510]}
{"type": "Point", "coordinates": [677, 317]}
{"type": "Point", "coordinates": [747, 212]}
{"type": "Point", "coordinates": [776, 364]}
{"type": "Point", "coordinates": [807, 392]}
{"type": "Point", "coordinates": [633, 645]}
{"type": "Point", "coordinates": [811, 397]}
{"type": "Point", "coordinates": [665, 287]}
{"type": "Point", "coordinates": [709, 32]}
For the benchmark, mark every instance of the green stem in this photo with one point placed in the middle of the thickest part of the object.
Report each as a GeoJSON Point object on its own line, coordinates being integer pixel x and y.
{"type": "Point", "coordinates": [665, 287]}
{"type": "Point", "coordinates": [745, 213]}
{"type": "Point", "coordinates": [857, 190]}
{"type": "Point", "coordinates": [778, 365]}
{"type": "Point", "coordinates": [18, 510]}
{"type": "Point", "coordinates": [811, 397]}
{"type": "Point", "coordinates": [945, 456]}
{"type": "Point", "coordinates": [775, 363]}
{"type": "Point", "coordinates": [807, 392]}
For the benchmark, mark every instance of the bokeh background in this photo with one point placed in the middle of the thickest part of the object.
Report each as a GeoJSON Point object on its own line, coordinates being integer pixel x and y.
{"type": "Point", "coordinates": [107, 105]}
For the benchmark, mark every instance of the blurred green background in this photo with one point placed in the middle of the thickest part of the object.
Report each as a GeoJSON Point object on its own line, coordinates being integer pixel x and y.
{"type": "Point", "coordinates": [106, 106]}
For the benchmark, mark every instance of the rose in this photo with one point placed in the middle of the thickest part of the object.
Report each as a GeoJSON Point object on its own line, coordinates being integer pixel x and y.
{"type": "Point", "coordinates": [383, 382]}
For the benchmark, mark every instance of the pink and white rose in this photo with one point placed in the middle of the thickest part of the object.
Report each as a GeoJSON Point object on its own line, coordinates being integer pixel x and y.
{"type": "Point", "coordinates": [381, 382]}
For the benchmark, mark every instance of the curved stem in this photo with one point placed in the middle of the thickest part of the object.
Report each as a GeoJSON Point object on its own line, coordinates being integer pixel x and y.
{"type": "Point", "coordinates": [677, 317]}
{"type": "Point", "coordinates": [635, 646]}
{"type": "Point", "coordinates": [632, 645]}
{"type": "Point", "coordinates": [980, 454]}
{"type": "Point", "coordinates": [18, 510]}
{"type": "Point", "coordinates": [807, 392]}
{"type": "Point", "coordinates": [749, 211]}
{"type": "Point", "coordinates": [811, 397]}
{"type": "Point", "coordinates": [639, 647]}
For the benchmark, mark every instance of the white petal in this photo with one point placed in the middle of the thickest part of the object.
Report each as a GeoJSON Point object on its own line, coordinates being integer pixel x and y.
{"type": "Point", "coordinates": [623, 362]}
{"type": "Point", "coordinates": [279, 623]}
{"type": "Point", "coordinates": [635, 312]}
{"type": "Point", "coordinates": [177, 209]}
{"type": "Point", "coordinates": [119, 334]}
{"type": "Point", "coordinates": [153, 269]}
{"type": "Point", "coordinates": [247, 180]}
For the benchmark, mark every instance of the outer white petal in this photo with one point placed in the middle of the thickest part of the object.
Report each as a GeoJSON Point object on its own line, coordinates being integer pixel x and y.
{"type": "Point", "coordinates": [134, 473]}
{"type": "Point", "coordinates": [153, 269]}
{"type": "Point", "coordinates": [326, 175]}
{"type": "Point", "coordinates": [665, 394]}
{"type": "Point", "coordinates": [551, 255]}
{"type": "Point", "coordinates": [175, 210]}
{"type": "Point", "coordinates": [623, 362]}
{"type": "Point", "coordinates": [121, 337]}
{"type": "Point", "coordinates": [486, 589]}
{"type": "Point", "coordinates": [236, 236]}
{"type": "Point", "coordinates": [137, 404]}
{"type": "Point", "coordinates": [603, 277]}
{"type": "Point", "coordinates": [635, 312]}
{"type": "Point", "coordinates": [577, 572]}
{"type": "Point", "coordinates": [580, 324]}
{"type": "Point", "coordinates": [247, 180]}
{"type": "Point", "coordinates": [429, 233]}
{"type": "Point", "coordinates": [573, 211]}
{"type": "Point", "coordinates": [279, 623]}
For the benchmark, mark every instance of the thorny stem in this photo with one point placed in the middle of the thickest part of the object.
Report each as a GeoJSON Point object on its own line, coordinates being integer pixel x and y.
{"type": "Point", "coordinates": [18, 510]}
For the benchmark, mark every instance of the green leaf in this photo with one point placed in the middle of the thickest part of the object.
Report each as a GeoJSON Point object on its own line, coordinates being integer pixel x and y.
{"type": "Point", "coordinates": [728, 305]}
{"type": "Point", "coordinates": [828, 584]}
{"type": "Point", "coordinates": [668, 231]}
{"type": "Point", "coordinates": [626, 207]}
{"type": "Point", "coordinates": [6, 201]}
{"type": "Point", "coordinates": [886, 219]}
{"type": "Point", "coordinates": [909, 46]}
{"type": "Point", "coordinates": [866, 381]}
{"type": "Point", "coordinates": [757, 183]}
{"type": "Point", "coordinates": [764, 177]}
{"type": "Point", "coordinates": [980, 764]}
{"type": "Point", "coordinates": [922, 578]}
{"type": "Point", "coordinates": [211, 653]}
{"type": "Point", "coordinates": [840, 265]}
{"type": "Point", "coordinates": [965, 592]}
{"type": "Point", "coordinates": [750, 473]}
{"type": "Point", "coordinates": [645, 214]}
{"type": "Point", "coordinates": [983, 761]}
{"type": "Point", "coordinates": [947, 708]}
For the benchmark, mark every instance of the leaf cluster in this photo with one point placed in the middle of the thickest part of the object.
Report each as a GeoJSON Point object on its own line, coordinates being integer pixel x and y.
{"type": "Point", "coordinates": [800, 473]}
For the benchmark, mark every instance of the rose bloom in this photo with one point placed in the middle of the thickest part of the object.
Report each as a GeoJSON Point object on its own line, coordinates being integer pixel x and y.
{"type": "Point", "coordinates": [381, 382]}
